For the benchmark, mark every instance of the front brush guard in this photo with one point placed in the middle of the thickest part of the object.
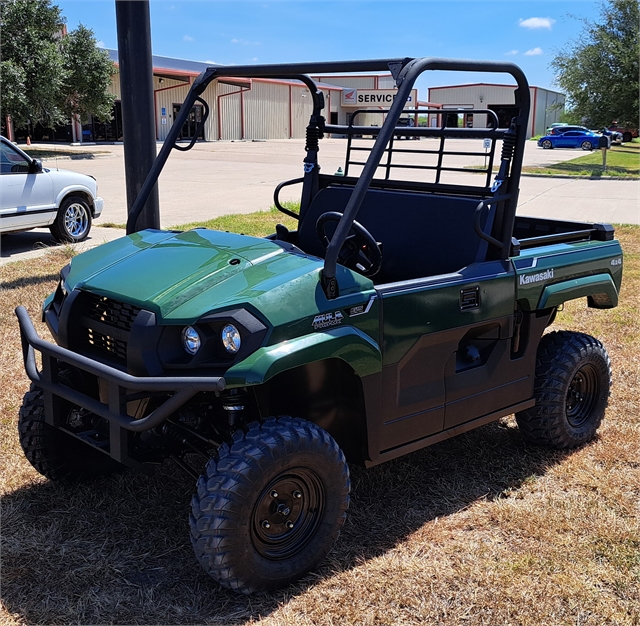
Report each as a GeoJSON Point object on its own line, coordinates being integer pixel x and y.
{"type": "Point", "coordinates": [119, 384]}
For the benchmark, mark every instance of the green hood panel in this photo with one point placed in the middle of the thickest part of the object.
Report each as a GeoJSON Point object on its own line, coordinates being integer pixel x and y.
{"type": "Point", "coordinates": [182, 276]}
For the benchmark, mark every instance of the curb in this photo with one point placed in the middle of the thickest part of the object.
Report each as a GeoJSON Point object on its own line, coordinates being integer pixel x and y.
{"type": "Point", "coordinates": [581, 177]}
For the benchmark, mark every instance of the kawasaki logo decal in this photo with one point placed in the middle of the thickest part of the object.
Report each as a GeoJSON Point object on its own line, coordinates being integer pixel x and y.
{"type": "Point", "coordinates": [536, 278]}
{"type": "Point", "coordinates": [327, 319]}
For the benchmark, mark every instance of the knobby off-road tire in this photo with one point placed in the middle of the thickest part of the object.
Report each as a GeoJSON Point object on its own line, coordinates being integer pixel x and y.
{"type": "Point", "coordinates": [573, 379]}
{"type": "Point", "coordinates": [269, 508]}
{"type": "Point", "coordinates": [53, 453]}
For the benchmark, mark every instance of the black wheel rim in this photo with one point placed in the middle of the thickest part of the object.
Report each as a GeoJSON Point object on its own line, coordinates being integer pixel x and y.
{"type": "Point", "coordinates": [287, 513]}
{"type": "Point", "coordinates": [582, 396]}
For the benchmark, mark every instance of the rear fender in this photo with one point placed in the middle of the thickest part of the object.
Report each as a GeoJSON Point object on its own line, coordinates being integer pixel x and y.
{"type": "Point", "coordinates": [599, 288]}
{"type": "Point", "coordinates": [347, 343]}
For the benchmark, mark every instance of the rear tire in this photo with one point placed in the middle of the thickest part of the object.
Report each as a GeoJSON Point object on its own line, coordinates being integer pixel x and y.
{"type": "Point", "coordinates": [587, 145]}
{"type": "Point", "coordinates": [54, 453]}
{"type": "Point", "coordinates": [73, 221]}
{"type": "Point", "coordinates": [627, 137]}
{"type": "Point", "coordinates": [268, 509]}
{"type": "Point", "coordinates": [571, 390]}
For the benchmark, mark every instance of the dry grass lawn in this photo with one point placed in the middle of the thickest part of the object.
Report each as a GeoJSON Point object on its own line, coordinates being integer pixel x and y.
{"type": "Point", "coordinates": [478, 530]}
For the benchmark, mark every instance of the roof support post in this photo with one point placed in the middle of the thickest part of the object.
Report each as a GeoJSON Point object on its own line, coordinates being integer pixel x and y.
{"type": "Point", "coordinates": [138, 114]}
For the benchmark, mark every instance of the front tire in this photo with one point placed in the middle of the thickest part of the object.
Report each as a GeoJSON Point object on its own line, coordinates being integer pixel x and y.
{"type": "Point", "coordinates": [269, 508]}
{"type": "Point", "coordinates": [73, 221]}
{"type": "Point", "coordinates": [547, 145]}
{"type": "Point", "coordinates": [53, 453]}
{"type": "Point", "coordinates": [573, 379]}
{"type": "Point", "coordinates": [627, 137]}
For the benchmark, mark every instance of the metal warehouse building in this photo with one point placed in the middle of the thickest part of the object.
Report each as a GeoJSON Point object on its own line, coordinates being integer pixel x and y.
{"type": "Point", "coordinates": [242, 108]}
{"type": "Point", "coordinates": [546, 105]}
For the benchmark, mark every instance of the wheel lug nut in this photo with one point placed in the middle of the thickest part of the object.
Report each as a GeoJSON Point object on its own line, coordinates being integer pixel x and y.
{"type": "Point", "coordinates": [297, 494]}
{"type": "Point", "coordinates": [274, 494]}
{"type": "Point", "coordinates": [266, 524]}
{"type": "Point", "coordinates": [289, 524]}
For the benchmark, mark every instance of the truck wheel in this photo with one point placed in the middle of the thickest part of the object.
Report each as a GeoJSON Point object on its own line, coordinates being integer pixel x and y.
{"type": "Point", "coordinates": [56, 454]}
{"type": "Point", "coordinates": [73, 221]}
{"type": "Point", "coordinates": [268, 509]}
{"type": "Point", "coordinates": [573, 378]}
{"type": "Point", "coordinates": [627, 136]}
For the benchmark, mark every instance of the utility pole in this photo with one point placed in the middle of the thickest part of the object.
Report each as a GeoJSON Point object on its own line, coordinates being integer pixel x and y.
{"type": "Point", "coordinates": [138, 114]}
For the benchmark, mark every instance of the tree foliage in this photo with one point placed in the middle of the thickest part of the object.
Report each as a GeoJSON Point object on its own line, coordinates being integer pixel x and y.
{"type": "Point", "coordinates": [599, 72]}
{"type": "Point", "coordinates": [46, 76]}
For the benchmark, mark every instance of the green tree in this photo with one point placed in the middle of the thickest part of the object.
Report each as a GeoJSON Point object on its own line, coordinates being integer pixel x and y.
{"type": "Point", "coordinates": [599, 71]}
{"type": "Point", "coordinates": [88, 74]}
{"type": "Point", "coordinates": [46, 76]}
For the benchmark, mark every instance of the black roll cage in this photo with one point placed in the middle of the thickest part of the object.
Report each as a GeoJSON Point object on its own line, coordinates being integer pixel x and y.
{"type": "Point", "coordinates": [405, 72]}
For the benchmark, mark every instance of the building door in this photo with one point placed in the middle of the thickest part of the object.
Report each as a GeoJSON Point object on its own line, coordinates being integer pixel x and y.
{"type": "Point", "coordinates": [504, 113]}
{"type": "Point", "coordinates": [190, 127]}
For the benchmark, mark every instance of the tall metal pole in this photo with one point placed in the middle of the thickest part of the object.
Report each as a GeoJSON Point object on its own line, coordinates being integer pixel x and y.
{"type": "Point", "coordinates": [138, 114]}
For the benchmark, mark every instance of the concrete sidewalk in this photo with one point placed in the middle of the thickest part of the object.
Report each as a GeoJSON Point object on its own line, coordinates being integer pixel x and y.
{"type": "Point", "coordinates": [218, 178]}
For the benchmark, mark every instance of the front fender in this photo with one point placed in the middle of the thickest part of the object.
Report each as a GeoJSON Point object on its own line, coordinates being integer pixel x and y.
{"type": "Point", "coordinates": [346, 343]}
{"type": "Point", "coordinates": [69, 190]}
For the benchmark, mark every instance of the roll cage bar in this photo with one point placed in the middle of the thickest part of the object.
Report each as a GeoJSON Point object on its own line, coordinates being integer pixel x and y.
{"type": "Point", "coordinates": [405, 72]}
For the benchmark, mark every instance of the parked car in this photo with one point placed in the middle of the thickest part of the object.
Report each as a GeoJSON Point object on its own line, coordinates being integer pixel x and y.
{"type": "Point", "coordinates": [555, 125]}
{"type": "Point", "coordinates": [627, 133]}
{"type": "Point", "coordinates": [585, 139]}
{"type": "Point", "coordinates": [560, 130]}
{"type": "Point", "coordinates": [32, 197]}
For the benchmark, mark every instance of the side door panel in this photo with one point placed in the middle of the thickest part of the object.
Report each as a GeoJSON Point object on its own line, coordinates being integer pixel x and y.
{"type": "Point", "coordinates": [25, 198]}
{"type": "Point", "coordinates": [443, 339]}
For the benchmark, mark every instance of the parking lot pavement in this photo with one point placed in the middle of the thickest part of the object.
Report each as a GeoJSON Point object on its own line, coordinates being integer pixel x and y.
{"type": "Point", "coordinates": [217, 178]}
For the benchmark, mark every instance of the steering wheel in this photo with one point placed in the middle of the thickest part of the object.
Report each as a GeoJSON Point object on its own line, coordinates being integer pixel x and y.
{"type": "Point", "coordinates": [360, 251]}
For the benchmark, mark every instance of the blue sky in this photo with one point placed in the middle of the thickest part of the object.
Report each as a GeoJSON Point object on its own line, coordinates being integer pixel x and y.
{"type": "Point", "coordinates": [267, 31]}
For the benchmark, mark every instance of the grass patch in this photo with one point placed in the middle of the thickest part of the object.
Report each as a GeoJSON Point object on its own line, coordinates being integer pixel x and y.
{"type": "Point", "coordinates": [481, 529]}
{"type": "Point", "coordinates": [111, 225]}
{"type": "Point", "coordinates": [622, 161]}
{"type": "Point", "coordinates": [52, 153]}
{"type": "Point", "coordinates": [258, 224]}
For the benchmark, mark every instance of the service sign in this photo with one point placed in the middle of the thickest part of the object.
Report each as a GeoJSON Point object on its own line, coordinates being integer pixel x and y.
{"type": "Point", "coordinates": [373, 97]}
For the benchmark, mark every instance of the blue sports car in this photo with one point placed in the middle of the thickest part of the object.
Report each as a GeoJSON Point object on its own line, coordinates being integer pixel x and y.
{"type": "Point", "coordinates": [584, 139]}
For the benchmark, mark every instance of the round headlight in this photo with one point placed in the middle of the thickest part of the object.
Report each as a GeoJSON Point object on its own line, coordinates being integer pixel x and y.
{"type": "Point", "coordinates": [231, 339]}
{"type": "Point", "coordinates": [190, 339]}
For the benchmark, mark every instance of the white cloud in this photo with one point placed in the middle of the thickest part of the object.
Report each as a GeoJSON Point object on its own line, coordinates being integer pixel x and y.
{"type": "Point", "coordinates": [534, 52]}
{"type": "Point", "coordinates": [537, 22]}
{"type": "Point", "coordinates": [100, 44]}
{"type": "Point", "coordinates": [245, 42]}
{"type": "Point", "coordinates": [187, 38]}
{"type": "Point", "coordinates": [511, 53]}
{"type": "Point", "coordinates": [254, 59]}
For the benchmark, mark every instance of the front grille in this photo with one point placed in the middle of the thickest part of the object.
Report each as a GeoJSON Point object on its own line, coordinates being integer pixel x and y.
{"type": "Point", "coordinates": [116, 347]}
{"type": "Point", "coordinates": [118, 314]}
{"type": "Point", "coordinates": [108, 323]}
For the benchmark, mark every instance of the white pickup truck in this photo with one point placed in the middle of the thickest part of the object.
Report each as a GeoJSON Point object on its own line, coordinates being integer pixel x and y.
{"type": "Point", "coordinates": [32, 197]}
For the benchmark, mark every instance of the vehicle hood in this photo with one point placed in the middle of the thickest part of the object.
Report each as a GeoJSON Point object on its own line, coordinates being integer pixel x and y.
{"type": "Point", "coordinates": [181, 276]}
{"type": "Point", "coordinates": [66, 178]}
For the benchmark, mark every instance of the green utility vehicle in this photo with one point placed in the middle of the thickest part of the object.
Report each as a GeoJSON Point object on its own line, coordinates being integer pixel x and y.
{"type": "Point", "coordinates": [409, 305]}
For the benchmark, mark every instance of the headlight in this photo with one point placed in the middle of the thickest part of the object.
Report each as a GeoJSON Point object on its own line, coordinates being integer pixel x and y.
{"type": "Point", "coordinates": [231, 339]}
{"type": "Point", "coordinates": [190, 339]}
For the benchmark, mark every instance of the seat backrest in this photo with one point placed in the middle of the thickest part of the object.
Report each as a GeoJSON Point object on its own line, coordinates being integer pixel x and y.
{"type": "Point", "coordinates": [421, 234]}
